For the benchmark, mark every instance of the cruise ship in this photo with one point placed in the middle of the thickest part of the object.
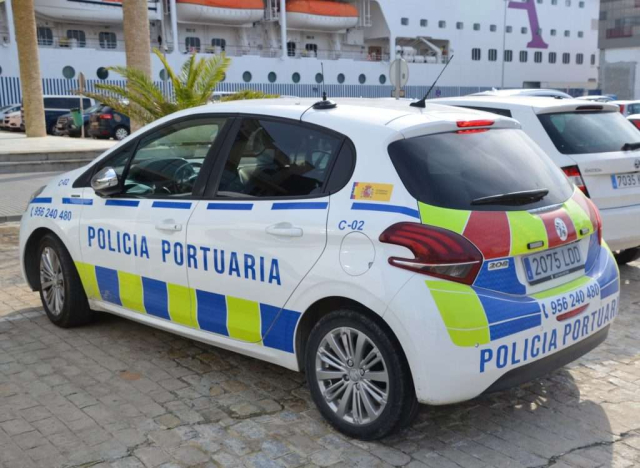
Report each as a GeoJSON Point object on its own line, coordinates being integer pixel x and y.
{"type": "Point", "coordinates": [295, 46]}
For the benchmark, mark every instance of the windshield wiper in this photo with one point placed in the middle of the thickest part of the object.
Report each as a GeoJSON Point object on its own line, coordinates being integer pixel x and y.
{"type": "Point", "coordinates": [630, 146]}
{"type": "Point", "coordinates": [513, 198]}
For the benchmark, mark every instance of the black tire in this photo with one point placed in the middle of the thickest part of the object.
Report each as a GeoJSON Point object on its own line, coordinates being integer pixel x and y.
{"type": "Point", "coordinates": [75, 307]}
{"type": "Point", "coordinates": [627, 256]}
{"type": "Point", "coordinates": [401, 404]}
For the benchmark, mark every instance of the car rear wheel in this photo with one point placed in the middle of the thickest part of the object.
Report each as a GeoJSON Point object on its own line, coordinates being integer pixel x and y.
{"type": "Point", "coordinates": [121, 133]}
{"type": "Point", "coordinates": [358, 376]}
{"type": "Point", "coordinates": [627, 256]}
{"type": "Point", "coordinates": [61, 291]}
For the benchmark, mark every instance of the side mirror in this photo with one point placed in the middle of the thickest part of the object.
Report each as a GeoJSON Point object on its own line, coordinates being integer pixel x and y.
{"type": "Point", "coordinates": [105, 182]}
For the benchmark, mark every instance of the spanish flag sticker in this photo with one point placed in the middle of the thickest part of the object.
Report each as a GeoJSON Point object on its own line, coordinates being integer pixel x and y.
{"type": "Point", "coordinates": [371, 191]}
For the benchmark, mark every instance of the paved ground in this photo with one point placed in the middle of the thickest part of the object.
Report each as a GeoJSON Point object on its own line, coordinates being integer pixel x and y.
{"type": "Point", "coordinates": [118, 394]}
{"type": "Point", "coordinates": [16, 142]}
{"type": "Point", "coordinates": [15, 191]}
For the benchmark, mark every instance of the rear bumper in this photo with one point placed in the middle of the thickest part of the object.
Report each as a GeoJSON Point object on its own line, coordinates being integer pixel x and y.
{"type": "Point", "coordinates": [620, 227]}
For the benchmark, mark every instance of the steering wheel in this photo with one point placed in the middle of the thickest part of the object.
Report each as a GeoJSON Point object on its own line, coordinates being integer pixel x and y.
{"type": "Point", "coordinates": [185, 176]}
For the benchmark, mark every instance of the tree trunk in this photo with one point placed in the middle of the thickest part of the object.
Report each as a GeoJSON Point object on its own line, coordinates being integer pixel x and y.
{"type": "Point", "coordinates": [137, 41]}
{"type": "Point", "coordinates": [24, 21]}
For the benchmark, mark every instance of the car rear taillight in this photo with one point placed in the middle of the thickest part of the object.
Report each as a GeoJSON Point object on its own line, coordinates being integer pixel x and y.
{"type": "Point", "coordinates": [635, 122]}
{"type": "Point", "coordinates": [621, 108]}
{"type": "Point", "coordinates": [438, 252]}
{"type": "Point", "coordinates": [573, 173]}
{"type": "Point", "coordinates": [596, 219]}
{"type": "Point", "coordinates": [106, 116]}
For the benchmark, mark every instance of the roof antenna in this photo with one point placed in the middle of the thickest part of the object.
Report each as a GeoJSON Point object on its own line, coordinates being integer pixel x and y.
{"type": "Point", "coordinates": [325, 103]}
{"type": "Point", "coordinates": [422, 102]}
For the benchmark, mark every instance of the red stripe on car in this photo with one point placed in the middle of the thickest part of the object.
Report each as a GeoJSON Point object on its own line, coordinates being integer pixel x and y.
{"type": "Point", "coordinates": [489, 231]}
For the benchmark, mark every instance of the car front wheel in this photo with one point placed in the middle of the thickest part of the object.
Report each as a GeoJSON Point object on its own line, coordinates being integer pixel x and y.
{"type": "Point", "coordinates": [61, 291]}
{"type": "Point", "coordinates": [358, 376]}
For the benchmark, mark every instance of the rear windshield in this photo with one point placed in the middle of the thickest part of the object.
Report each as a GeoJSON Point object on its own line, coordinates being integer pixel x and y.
{"type": "Point", "coordinates": [450, 170]}
{"type": "Point", "coordinates": [589, 132]}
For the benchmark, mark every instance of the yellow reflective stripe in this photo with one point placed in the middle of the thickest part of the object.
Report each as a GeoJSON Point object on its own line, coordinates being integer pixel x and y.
{"type": "Point", "coordinates": [131, 294]}
{"type": "Point", "coordinates": [579, 218]}
{"type": "Point", "coordinates": [243, 319]}
{"type": "Point", "coordinates": [87, 274]}
{"type": "Point", "coordinates": [182, 303]}
{"type": "Point", "coordinates": [575, 284]}
{"type": "Point", "coordinates": [454, 220]}
{"type": "Point", "coordinates": [525, 228]}
{"type": "Point", "coordinates": [461, 312]}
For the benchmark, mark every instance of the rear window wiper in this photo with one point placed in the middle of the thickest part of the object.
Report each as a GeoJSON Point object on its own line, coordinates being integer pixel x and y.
{"type": "Point", "coordinates": [513, 198]}
{"type": "Point", "coordinates": [630, 146]}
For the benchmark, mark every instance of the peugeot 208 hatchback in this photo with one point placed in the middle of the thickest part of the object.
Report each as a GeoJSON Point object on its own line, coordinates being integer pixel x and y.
{"type": "Point", "coordinates": [396, 255]}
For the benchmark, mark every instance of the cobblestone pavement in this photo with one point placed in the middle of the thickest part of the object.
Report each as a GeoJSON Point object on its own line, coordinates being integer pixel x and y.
{"type": "Point", "coordinates": [119, 394]}
{"type": "Point", "coordinates": [15, 190]}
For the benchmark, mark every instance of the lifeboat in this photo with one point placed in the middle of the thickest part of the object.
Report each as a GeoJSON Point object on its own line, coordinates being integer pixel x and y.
{"type": "Point", "coordinates": [323, 15]}
{"type": "Point", "coordinates": [89, 11]}
{"type": "Point", "coordinates": [228, 12]}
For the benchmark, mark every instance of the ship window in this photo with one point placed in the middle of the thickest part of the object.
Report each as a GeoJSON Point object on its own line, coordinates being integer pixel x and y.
{"type": "Point", "coordinates": [222, 43]}
{"type": "Point", "coordinates": [568, 2]}
{"type": "Point", "coordinates": [442, 24]}
{"type": "Point", "coordinates": [224, 76]}
{"type": "Point", "coordinates": [553, 32]}
{"type": "Point", "coordinates": [566, 58]}
{"type": "Point", "coordinates": [476, 54]}
{"type": "Point", "coordinates": [295, 77]}
{"type": "Point", "coordinates": [567, 33]}
{"type": "Point", "coordinates": [581, 4]}
{"type": "Point", "coordinates": [107, 40]}
{"type": "Point", "coordinates": [476, 26]}
{"type": "Point", "coordinates": [509, 29]}
{"type": "Point", "coordinates": [459, 25]}
{"type": "Point", "coordinates": [554, 2]}
{"type": "Point", "coordinates": [0, 71]}
{"type": "Point", "coordinates": [291, 49]}
{"type": "Point", "coordinates": [45, 36]}
{"type": "Point", "coordinates": [362, 78]}
{"type": "Point", "coordinates": [579, 59]}
{"type": "Point", "coordinates": [319, 78]}
{"type": "Point", "coordinates": [340, 78]}
{"type": "Point", "coordinates": [78, 35]}
{"type": "Point", "coordinates": [493, 28]}
{"type": "Point", "coordinates": [103, 73]}
{"type": "Point", "coordinates": [508, 55]}
{"type": "Point", "coordinates": [493, 55]}
{"type": "Point", "coordinates": [404, 21]}
{"type": "Point", "coordinates": [580, 34]}
{"type": "Point", "coordinates": [423, 23]}
{"type": "Point", "coordinates": [593, 59]}
{"type": "Point", "coordinates": [537, 57]}
{"type": "Point", "coordinates": [68, 72]}
{"type": "Point", "coordinates": [272, 77]}
{"type": "Point", "coordinates": [552, 57]}
{"type": "Point", "coordinates": [524, 30]}
{"type": "Point", "coordinates": [524, 56]}
{"type": "Point", "coordinates": [383, 79]}
{"type": "Point", "coordinates": [311, 49]}
{"type": "Point", "coordinates": [192, 44]}
{"type": "Point", "coordinates": [165, 76]}
{"type": "Point", "coordinates": [246, 76]}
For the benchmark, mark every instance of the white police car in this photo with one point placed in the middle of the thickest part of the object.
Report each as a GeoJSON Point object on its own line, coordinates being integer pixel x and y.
{"type": "Point", "coordinates": [395, 254]}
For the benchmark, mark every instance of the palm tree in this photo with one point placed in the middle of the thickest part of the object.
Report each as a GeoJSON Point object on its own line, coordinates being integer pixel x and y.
{"type": "Point", "coordinates": [25, 28]}
{"type": "Point", "coordinates": [144, 101]}
{"type": "Point", "coordinates": [136, 40]}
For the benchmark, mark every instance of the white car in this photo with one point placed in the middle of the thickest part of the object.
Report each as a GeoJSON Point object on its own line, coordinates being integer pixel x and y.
{"type": "Point", "coordinates": [13, 121]}
{"type": "Point", "coordinates": [597, 148]}
{"type": "Point", "coordinates": [596, 98]}
{"type": "Point", "coordinates": [527, 92]}
{"type": "Point", "coordinates": [396, 255]}
{"type": "Point", "coordinates": [4, 111]}
{"type": "Point", "coordinates": [627, 108]}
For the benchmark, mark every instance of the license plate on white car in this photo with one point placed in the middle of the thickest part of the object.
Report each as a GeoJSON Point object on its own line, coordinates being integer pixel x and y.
{"type": "Point", "coordinates": [622, 181]}
{"type": "Point", "coordinates": [552, 264]}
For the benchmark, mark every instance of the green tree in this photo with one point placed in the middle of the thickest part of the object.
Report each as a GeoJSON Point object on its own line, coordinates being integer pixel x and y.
{"type": "Point", "coordinates": [142, 100]}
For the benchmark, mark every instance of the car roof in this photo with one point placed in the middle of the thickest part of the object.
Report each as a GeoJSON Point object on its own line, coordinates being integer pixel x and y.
{"type": "Point", "coordinates": [540, 106]}
{"type": "Point", "coordinates": [533, 92]}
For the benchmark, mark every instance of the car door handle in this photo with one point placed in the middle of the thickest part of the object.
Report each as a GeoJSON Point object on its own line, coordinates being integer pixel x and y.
{"type": "Point", "coordinates": [169, 225]}
{"type": "Point", "coordinates": [284, 230]}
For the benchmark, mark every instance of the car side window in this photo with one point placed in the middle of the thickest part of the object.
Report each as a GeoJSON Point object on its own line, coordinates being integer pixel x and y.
{"type": "Point", "coordinates": [167, 162]}
{"type": "Point", "coordinates": [272, 159]}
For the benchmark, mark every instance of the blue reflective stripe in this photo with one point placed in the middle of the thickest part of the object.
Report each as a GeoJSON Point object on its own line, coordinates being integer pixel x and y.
{"type": "Point", "coordinates": [610, 289]}
{"type": "Point", "coordinates": [278, 327]}
{"type": "Point", "coordinates": [300, 206]}
{"type": "Point", "coordinates": [156, 300]}
{"type": "Point", "coordinates": [499, 308]}
{"type": "Point", "coordinates": [171, 204]}
{"type": "Point", "coordinates": [41, 200]}
{"type": "Point", "coordinates": [504, 280]}
{"type": "Point", "coordinates": [212, 312]}
{"type": "Point", "coordinates": [108, 285]}
{"type": "Point", "coordinates": [132, 203]}
{"type": "Point", "coordinates": [386, 208]}
{"type": "Point", "coordinates": [77, 201]}
{"type": "Point", "coordinates": [230, 206]}
{"type": "Point", "coordinates": [500, 330]}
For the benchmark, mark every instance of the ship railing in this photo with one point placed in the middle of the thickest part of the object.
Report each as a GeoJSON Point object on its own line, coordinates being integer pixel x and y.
{"type": "Point", "coordinates": [272, 52]}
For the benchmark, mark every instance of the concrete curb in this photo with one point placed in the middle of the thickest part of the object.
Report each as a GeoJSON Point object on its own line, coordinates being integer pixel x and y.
{"type": "Point", "coordinates": [10, 218]}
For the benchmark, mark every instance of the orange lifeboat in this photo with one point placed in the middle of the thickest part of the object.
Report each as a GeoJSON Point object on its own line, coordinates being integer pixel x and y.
{"type": "Point", "coordinates": [230, 12]}
{"type": "Point", "coordinates": [324, 15]}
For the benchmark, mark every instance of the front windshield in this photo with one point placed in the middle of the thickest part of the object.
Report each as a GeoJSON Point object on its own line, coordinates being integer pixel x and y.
{"type": "Point", "coordinates": [92, 109]}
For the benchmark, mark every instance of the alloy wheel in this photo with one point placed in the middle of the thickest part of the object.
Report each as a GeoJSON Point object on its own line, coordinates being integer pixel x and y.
{"type": "Point", "coordinates": [52, 281]}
